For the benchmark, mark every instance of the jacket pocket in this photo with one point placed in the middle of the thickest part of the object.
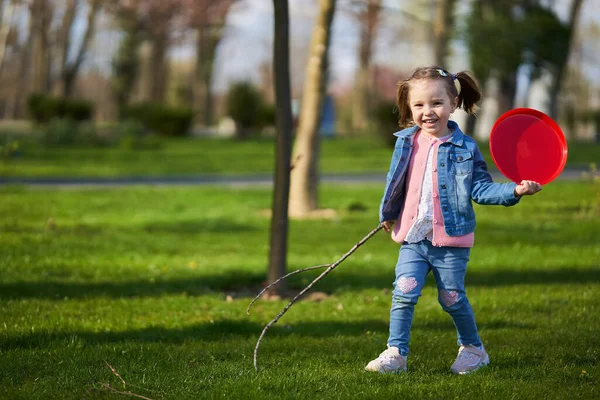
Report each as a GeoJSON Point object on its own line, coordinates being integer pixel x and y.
{"type": "Point", "coordinates": [462, 163]}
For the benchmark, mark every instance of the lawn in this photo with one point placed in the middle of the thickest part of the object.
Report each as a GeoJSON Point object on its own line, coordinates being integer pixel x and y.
{"type": "Point", "coordinates": [154, 281]}
{"type": "Point", "coordinates": [197, 156]}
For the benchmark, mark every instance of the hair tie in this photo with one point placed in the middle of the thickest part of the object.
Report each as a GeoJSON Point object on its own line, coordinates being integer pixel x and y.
{"type": "Point", "coordinates": [456, 83]}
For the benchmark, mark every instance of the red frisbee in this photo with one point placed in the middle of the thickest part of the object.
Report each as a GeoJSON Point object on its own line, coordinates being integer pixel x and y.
{"type": "Point", "coordinates": [528, 144]}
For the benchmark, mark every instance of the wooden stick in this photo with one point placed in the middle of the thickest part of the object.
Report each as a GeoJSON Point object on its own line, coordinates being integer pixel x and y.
{"type": "Point", "coordinates": [114, 371]}
{"type": "Point", "coordinates": [125, 393]}
{"type": "Point", "coordinates": [280, 279]}
{"type": "Point", "coordinates": [307, 288]}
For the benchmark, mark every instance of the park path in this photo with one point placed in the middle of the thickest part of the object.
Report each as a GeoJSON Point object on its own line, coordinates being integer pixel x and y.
{"type": "Point", "coordinates": [221, 180]}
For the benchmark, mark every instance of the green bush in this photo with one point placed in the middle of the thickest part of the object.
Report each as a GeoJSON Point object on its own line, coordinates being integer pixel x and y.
{"type": "Point", "coordinates": [59, 132]}
{"type": "Point", "coordinates": [593, 116]}
{"type": "Point", "coordinates": [43, 108]}
{"type": "Point", "coordinates": [244, 104]}
{"type": "Point", "coordinates": [133, 136]}
{"type": "Point", "coordinates": [10, 147]}
{"type": "Point", "coordinates": [159, 118]}
{"type": "Point", "coordinates": [266, 115]}
{"type": "Point", "coordinates": [386, 119]}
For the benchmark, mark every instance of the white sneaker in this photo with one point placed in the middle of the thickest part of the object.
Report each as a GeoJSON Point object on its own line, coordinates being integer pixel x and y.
{"type": "Point", "coordinates": [388, 362]}
{"type": "Point", "coordinates": [469, 359]}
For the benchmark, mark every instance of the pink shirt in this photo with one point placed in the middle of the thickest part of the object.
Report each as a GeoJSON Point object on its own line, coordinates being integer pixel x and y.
{"type": "Point", "coordinates": [421, 215]}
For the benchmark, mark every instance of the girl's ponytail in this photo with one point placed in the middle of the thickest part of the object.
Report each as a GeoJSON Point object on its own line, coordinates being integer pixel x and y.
{"type": "Point", "coordinates": [469, 94]}
{"type": "Point", "coordinates": [405, 119]}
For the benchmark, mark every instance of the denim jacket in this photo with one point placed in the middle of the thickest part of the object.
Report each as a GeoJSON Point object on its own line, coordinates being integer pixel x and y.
{"type": "Point", "coordinates": [462, 176]}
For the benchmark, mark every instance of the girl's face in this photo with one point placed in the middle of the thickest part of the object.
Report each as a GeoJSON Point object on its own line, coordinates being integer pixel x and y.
{"type": "Point", "coordinates": [431, 106]}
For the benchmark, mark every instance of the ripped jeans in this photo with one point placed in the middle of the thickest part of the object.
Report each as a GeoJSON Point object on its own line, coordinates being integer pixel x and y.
{"type": "Point", "coordinates": [449, 266]}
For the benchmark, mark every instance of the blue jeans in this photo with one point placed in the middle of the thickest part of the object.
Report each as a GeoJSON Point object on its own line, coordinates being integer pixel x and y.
{"type": "Point", "coordinates": [449, 266]}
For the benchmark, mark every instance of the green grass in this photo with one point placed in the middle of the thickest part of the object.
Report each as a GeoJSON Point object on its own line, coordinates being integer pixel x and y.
{"type": "Point", "coordinates": [194, 156]}
{"type": "Point", "coordinates": [140, 277]}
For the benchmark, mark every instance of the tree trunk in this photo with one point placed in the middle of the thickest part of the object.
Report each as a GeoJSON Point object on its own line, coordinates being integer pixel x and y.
{"type": "Point", "coordinates": [560, 70]}
{"type": "Point", "coordinates": [70, 71]}
{"type": "Point", "coordinates": [361, 105]}
{"type": "Point", "coordinates": [158, 66]}
{"type": "Point", "coordinates": [508, 91]}
{"type": "Point", "coordinates": [442, 30]}
{"type": "Point", "coordinates": [5, 30]}
{"type": "Point", "coordinates": [304, 177]}
{"type": "Point", "coordinates": [279, 220]}
{"type": "Point", "coordinates": [126, 65]}
{"type": "Point", "coordinates": [41, 17]}
{"type": "Point", "coordinates": [64, 40]}
{"type": "Point", "coordinates": [15, 108]}
{"type": "Point", "coordinates": [206, 45]}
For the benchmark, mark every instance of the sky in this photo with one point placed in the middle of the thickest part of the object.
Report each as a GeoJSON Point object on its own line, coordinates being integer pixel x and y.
{"type": "Point", "coordinates": [249, 35]}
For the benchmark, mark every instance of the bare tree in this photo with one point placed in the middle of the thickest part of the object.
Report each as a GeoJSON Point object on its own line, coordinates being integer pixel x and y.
{"type": "Point", "coordinates": [69, 69]}
{"type": "Point", "coordinates": [41, 12]}
{"type": "Point", "coordinates": [207, 18]}
{"type": "Point", "coordinates": [279, 220]}
{"type": "Point", "coordinates": [5, 28]}
{"type": "Point", "coordinates": [442, 29]}
{"type": "Point", "coordinates": [304, 177]}
{"type": "Point", "coordinates": [125, 64]}
{"type": "Point", "coordinates": [561, 67]}
{"type": "Point", "coordinates": [368, 16]}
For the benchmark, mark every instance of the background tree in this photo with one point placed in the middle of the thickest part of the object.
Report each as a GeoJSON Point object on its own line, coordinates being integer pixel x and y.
{"type": "Point", "coordinates": [561, 64]}
{"type": "Point", "coordinates": [367, 14]}
{"type": "Point", "coordinates": [126, 63]}
{"type": "Point", "coordinates": [6, 14]}
{"type": "Point", "coordinates": [41, 13]}
{"type": "Point", "coordinates": [70, 68]}
{"type": "Point", "coordinates": [304, 177]}
{"type": "Point", "coordinates": [443, 27]}
{"type": "Point", "coordinates": [207, 18]}
{"type": "Point", "coordinates": [279, 220]}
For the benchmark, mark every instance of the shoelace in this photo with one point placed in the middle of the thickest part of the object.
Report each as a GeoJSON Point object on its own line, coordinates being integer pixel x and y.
{"type": "Point", "coordinates": [388, 355]}
{"type": "Point", "coordinates": [465, 355]}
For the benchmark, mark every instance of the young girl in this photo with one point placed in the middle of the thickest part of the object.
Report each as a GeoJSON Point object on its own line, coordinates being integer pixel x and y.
{"type": "Point", "coordinates": [435, 172]}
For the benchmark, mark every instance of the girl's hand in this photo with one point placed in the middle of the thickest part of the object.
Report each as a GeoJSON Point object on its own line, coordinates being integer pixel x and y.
{"type": "Point", "coordinates": [387, 225]}
{"type": "Point", "coordinates": [527, 188]}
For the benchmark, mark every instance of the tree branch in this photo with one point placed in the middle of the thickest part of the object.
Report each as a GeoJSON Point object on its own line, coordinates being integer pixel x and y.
{"type": "Point", "coordinates": [307, 288]}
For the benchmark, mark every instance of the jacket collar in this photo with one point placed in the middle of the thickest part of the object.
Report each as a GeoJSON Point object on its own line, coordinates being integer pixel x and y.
{"type": "Point", "coordinates": [456, 138]}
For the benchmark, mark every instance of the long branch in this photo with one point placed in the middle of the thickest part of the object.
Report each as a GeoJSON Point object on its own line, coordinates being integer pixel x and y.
{"type": "Point", "coordinates": [279, 280]}
{"type": "Point", "coordinates": [307, 288]}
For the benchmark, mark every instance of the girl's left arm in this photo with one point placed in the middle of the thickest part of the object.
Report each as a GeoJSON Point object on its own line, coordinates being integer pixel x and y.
{"type": "Point", "coordinates": [485, 191]}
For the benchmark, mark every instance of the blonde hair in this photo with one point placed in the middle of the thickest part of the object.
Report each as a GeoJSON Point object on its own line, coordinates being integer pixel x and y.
{"type": "Point", "coordinates": [462, 85]}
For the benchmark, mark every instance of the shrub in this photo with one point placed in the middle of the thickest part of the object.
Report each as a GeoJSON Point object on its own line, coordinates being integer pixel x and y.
{"type": "Point", "coordinates": [593, 116]}
{"type": "Point", "coordinates": [161, 119]}
{"type": "Point", "coordinates": [59, 132]}
{"type": "Point", "coordinates": [77, 110]}
{"type": "Point", "coordinates": [386, 119]}
{"type": "Point", "coordinates": [10, 147]}
{"type": "Point", "coordinates": [244, 104]}
{"type": "Point", "coordinates": [266, 115]}
{"type": "Point", "coordinates": [133, 136]}
{"type": "Point", "coordinates": [43, 108]}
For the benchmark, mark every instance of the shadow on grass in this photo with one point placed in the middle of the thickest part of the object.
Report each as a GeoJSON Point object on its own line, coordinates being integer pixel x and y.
{"type": "Point", "coordinates": [184, 227]}
{"type": "Point", "coordinates": [215, 331]}
{"type": "Point", "coordinates": [224, 330]}
{"type": "Point", "coordinates": [247, 284]}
